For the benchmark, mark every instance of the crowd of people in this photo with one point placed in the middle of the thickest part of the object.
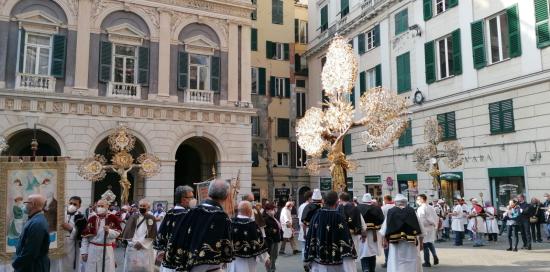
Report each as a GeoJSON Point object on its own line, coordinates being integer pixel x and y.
{"type": "Point", "coordinates": [336, 232]}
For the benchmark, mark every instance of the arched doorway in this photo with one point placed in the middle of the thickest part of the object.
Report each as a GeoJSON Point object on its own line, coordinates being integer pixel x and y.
{"type": "Point", "coordinates": [111, 180]}
{"type": "Point", "coordinates": [301, 192]}
{"type": "Point", "coordinates": [20, 144]}
{"type": "Point", "coordinates": [195, 159]}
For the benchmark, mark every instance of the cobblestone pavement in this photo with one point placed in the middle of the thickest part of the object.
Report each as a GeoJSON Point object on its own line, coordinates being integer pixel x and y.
{"type": "Point", "coordinates": [490, 258]}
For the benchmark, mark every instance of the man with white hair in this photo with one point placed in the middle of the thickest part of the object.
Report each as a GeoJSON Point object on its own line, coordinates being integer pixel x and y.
{"type": "Point", "coordinates": [98, 237]}
{"type": "Point", "coordinates": [370, 247]}
{"type": "Point", "coordinates": [139, 233]}
{"type": "Point", "coordinates": [288, 230]}
{"type": "Point", "coordinates": [402, 234]}
{"type": "Point", "coordinates": [477, 222]}
{"type": "Point", "coordinates": [249, 244]}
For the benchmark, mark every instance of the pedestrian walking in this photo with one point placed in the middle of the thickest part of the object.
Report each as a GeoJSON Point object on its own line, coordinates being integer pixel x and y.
{"type": "Point", "coordinates": [429, 220]}
{"type": "Point", "coordinates": [511, 216]}
{"type": "Point", "coordinates": [273, 233]}
{"type": "Point", "coordinates": [288, 230]}
{"type": "Point", "coordinates": [74, 225]}
{"type": "Point", "coordinates": [388, 204]}
{"type": "Point", "coordinates": [371, 240]}
{"type": "Point", "coordinates": [536, 220]}
{"type": "Point", "coordinates": [139, 233]}
{"type": "Point", "coordinates": [525, 228]}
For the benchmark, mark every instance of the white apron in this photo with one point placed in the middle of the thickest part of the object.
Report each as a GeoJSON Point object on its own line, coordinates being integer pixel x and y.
{"type": "Point", "coordinates": [347, 266]}
{"type": "Point", "coordinates": [491, 221]}
{"type": "Point", "coordinates": [95, 252]}
{"type": "Point", "coordinates": [371, 248]}
{"type": "Point", "coordinates": [403, 257]}
{"type": "Point", "coordinates": [456, 220]}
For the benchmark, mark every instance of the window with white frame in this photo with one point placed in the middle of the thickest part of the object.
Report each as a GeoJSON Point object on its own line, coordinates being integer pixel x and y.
{"type": "Point", "coordinates": [124, 64]}
{"type": "Point", "coordinates": [38, 53]}
{"type": "Point", "coordinates": [255, 122]}
{"type": "Point", "coordinates": [254, 89]}
{"type": "Point", "coordinates": [282, 159]}
{"type": "Point", "coordinates": [279, 51]}
{"type": "Point", "coordinates": [371, 78]}
{"type": "Point", "coordinates": [302, 32]}
{"type": "Point", "coordinates": [301, 157]}
{"type": "Point", "coordinates": [280, 86]}
{"type": "Point", "coordinates": [498, 38]}
{"type": "Point", "coordinates": [199, 72]}
{"type": "Point", "coordinates": [441, 6]}
{"type": "Point", "coordinates": [370, 39]}
{"type": "Point", "coordinates": [444, 57]}
{"type": "Point", "coordinates": [300, 104]}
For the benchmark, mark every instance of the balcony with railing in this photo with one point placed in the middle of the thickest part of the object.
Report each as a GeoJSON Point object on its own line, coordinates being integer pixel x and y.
{"type": "Point", "coordinates": [199, 96]}
{"type": "Point", "coordinates": [124, 90]}
{"type": "Point", "coordinates": [32, 82]}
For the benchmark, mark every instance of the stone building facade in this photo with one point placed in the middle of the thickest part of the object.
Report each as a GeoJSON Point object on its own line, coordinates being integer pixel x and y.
{"type": "Point", "coordinates": [482, 70]}
{"type": "Point", "coordinates": [173, 71]}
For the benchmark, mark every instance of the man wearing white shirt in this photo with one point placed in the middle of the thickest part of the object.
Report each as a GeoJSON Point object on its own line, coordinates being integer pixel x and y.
{"type": "Point", "coordinates": [429, 220]}
{"type": "Point", "coordinates": [457, 222]}
{"type": "Point", "coordinates": [302, 233]}
{"type": "Point", "coordinates": [388, 204]}
{"type": "Point", "coordinates": [140, 232]}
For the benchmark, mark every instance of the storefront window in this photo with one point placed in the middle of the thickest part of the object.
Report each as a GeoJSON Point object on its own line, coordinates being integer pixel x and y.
{"type": "Point", "coordinates": [506, 188]}
{"type": "Point", "coordinates": [409, 188]}
{"type": "Point", "coordinates": [373, 186]}
{"type": "Point", "coordinates": [452, 186]}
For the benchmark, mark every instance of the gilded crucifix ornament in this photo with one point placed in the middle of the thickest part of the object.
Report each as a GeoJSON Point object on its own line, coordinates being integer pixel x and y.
{"type": "Point", "coordinates": [121, 142]}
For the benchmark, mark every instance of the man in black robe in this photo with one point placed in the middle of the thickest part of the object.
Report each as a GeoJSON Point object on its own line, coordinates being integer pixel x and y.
{"type": "Point", "coordinates": [373, 217]}
{"type": "Point", "coordinates": [183, 195]}
{"type": "Point", "coordinates": [202, 240]}
{"type": "Point", "coordinates": [329, 245]}
{"type": "Point", "coordinates": [353, 218]}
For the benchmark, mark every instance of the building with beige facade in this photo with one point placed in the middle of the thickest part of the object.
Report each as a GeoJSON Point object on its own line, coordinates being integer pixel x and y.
{"type": "Point", "coordinates": [482, 68]}
{"type": "Point", "coordinates": [176, 72]}
{"type": "Point", "coordinates": [279, 78]}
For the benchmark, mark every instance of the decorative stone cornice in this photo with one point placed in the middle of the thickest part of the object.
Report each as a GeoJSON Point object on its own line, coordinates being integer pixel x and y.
{"type": "Point", "coordinates": [103, 107]}
{"type": "Point", "coordinates": [237, 8]}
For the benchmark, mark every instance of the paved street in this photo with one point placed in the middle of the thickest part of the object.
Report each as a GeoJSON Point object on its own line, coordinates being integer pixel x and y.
{"type": "Point", "coordinates": [491, 258]}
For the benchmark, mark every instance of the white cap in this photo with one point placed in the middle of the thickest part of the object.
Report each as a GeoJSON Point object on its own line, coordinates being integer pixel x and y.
{"type": "Point", "coordinates": [367, 198]}
{"type": "Point", "coordinates": [317, 195]}
{"type": "Point", "coordinates": [400, 197]}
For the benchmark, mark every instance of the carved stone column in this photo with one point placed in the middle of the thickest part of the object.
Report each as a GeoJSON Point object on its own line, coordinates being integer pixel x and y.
{"type": "Point", "coordinates": [233, 64]}
{"type": "Point", "coordinates": [164, 54]}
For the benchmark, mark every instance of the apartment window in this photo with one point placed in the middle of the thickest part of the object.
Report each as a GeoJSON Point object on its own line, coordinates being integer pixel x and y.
{"type": "Point", "coordinates": [437, 7]}
{"type": "Point", "coordinates": [280, 86]}
{"type": "Point", "coordinates": [344, 8]}
{"type": "Point", "coordinates": [445, 57]}
{"type": "Point", "coordinates": [300, 104]}
{"type": "Point", "coordinates": [370, 40]}
{"type": "Point", "coordinates": [255, 80]}
{"type": "Point", "coordinates": [280, 51]}
{"type": "Point", "coordinates": [283, 128]}
{"type": "Point", "coordinates": [501, 116]}
{"type": "Point", "coordinates": [277, 51]}
{"type": "Point", "coordinates": [255, 122]}
{"type": "Point", "coordinates": [447, 122]}
{"type": "Point", "coordinates": [124, 64]}
{"type": "Point", "coordinates": [347, 144]}
{"type": "Point", "coordinates": [37, 56]}
{"type": "Point", "coordinates": [254, 39]}
{"type": "Point", "coordinates": [254, 14]}
{"type": "Point", "coordinates": [198, 72]}
{"type": "Point", "coordinates": [406, 138]}
{"type": "Point", "coordinates": [441, 6]}
{"type": "Point", "coordinates": [401, 21]}
{"type": "Point", "coordinates": [277, 12]}
{"type": "Point", "coordinates": [301, 157]}
{"type": "Point", "coordinates": [542, 23]}
{"type": "Point", "coordinates": [371, 78]}
{"type": "Point", "coordinates": [324, 18]}
{"type": "Point", "coordinates": [282, 159]}
{"type": "Point", "coordinates": [300, 31]}
{"type": "Point", "coordinates": [301, 83]}
{"type": "Point", "coordinates": [403, 73]}
{"type": "Point", "coordinates": [497, 31]}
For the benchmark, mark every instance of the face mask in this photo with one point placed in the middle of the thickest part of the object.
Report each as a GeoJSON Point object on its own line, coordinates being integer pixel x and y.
{"type": "Point", "coordinates": [192, 203]}
{"type": "Point", "coordinates": [101, 210]}
{"type": "Point", "coordinates": [24, 208]}
{"type": "Point", "coordinates": [71, 209]}
{"type": "Point", "coordinates": [142, 210]}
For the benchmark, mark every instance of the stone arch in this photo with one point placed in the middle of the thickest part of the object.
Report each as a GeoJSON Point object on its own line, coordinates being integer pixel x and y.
{"type": "Point", "coordinates": [220, 32]}
{"type": "Point", "coordinates": [68, 12]}
{"type": "Point", "coordinates": [195, 157]}
{"type": "Point", "coordinates": [10, 132]}
{"type": "Point", "coordinates": [152, 28]}
{"type": "Point", "coordinates": [120, 17]}
{"type": "Point", "coordinates": [19, 143]}
{"type": "Point", "coordinates": [215, 141]}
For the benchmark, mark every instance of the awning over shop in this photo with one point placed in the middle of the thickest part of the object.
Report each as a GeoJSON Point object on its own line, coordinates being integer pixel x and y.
{"type": "Point", "coordinates": [373, 179]}
{"type": "Point", "coordinates": [506, 172]}
{"type": "Point", "coordinates": [451, 176]}
{"type": "Point", "coordinates": [407, 177]}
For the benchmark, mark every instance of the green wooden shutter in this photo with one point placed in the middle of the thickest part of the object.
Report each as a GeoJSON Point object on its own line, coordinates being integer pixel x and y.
{"type": "Point", "coordinates": [427, 9]}
{"type": "Point", "coordinates": [261, 78]}
{"type": "Point", "coordinates": [143, 62]}
{"type": "Point", "coordinates": [22, 42]}
{"type": "Point", "coordinates": [406, 137]}
{"type": "Point", "coordinates": [324, 18]}
{"type": "Point", "coordinates": [277, 12]}
{"type": "Point", "coordinates": [429, 60]}
{"type": "Point", "coordinates": [352, 97]}
{"type": "Point", "coordinates": [507, 115]}
{"type": "Point", "coordinates": [376, 32]}
{"type": "Point", "coordinates": [297, 63]}
{"type": "Point", "coordinates": [409, 137]}
{"type": "Point", "coordinates": [478, 44]}
{"type": "Point", "coordinates": [451, 126]}
{"type": "Point", "coordinates": [296, 30]}
{"type": "Point", "coordinates": [272, 86]}
{"type": "Point", "coordinates": [457, 53]}
{"type": "Point", "coordinates": [347, 144]}
{"type": "Point", "coordinates": [254, 39]}
{"type": "Point", "coordinates": [287, 87]}
{"type": "Point", "coordinates": [287, 51]}
{"type": "Point", "coordinates": [215, 74]}
{"type": "Point", "coordinates": [542, 24]}
{"type": "Point", "coordinates": [362, 82]}
{"type": "Point", "coordinates": [403, 73]}
{"type": "Point", "coordinates": [361, 43]}
{"type": "Point", "coordinates": [494, 118]}
{"type": "Point", "coordinates": [269, 50]}
{"type": "Point", "coordinates": [452, 3]}
{"type": "Point", "coordinates": [514, 31]}
{"type": "Point", "coordinates": [182, 70]}
{"type": "Point", "coordinates": [442, 122]}
{"type": "Point", "coordinates": [378, 75]}
{"type": "Point", "coordinates": [58, 56]}
{"type": "Point", "coordinates": [283, 127]}
{"type": "Point", "coordinates": [105, 59]}
{"type": "Point", "coordinates": [401, 21]}
{"type": "Point", "coordinates": [344, 8]}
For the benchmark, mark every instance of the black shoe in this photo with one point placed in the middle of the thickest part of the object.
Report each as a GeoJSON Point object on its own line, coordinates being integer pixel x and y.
{"type": "Point", "coordinates": [529, 247]}
{"type": "Point", "coordinates": [281, 253]}
{"type": "Point", "coordinates": [509, 249]}
{"type": "Point", "coordinates": [384, 265]}
{"type": "Point", "coordinates": [426, 265]}
{"type": "Point", "coordinates": [436, 261]}
{"type": "Point", "coordinates": [296, 252]}
{"type": "Point", "coordinates": [516, 249]}
{"type": "Point", "coordinates": [306, 267]}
